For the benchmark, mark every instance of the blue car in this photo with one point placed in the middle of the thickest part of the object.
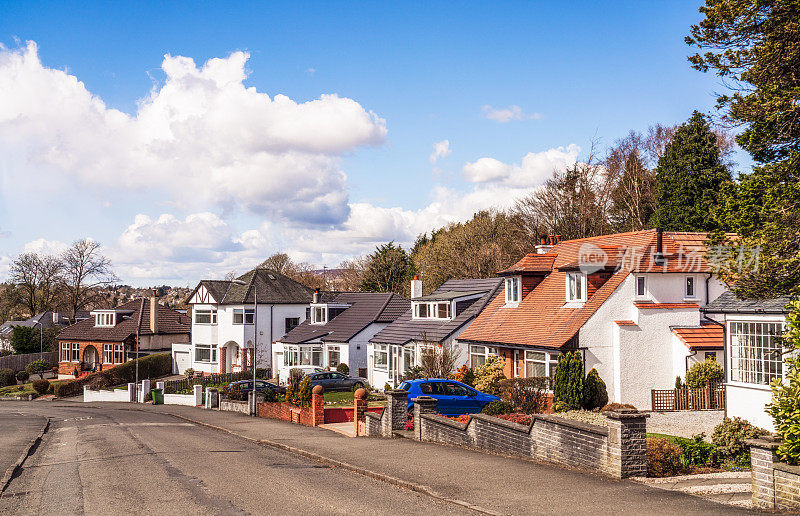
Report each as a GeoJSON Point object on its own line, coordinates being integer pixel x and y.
{"type": "Point", "coordinates": [454, 398]}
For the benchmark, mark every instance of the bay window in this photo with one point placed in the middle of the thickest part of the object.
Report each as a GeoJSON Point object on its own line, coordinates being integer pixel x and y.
{"type": "Point", "coordinates": [381, 357]}
{"type": "Point", "coordinates": [478, 355]}
{"type": "Point", "coordinates": [302, 356]}
{"type": "Point", "coordinates": [205, 353]}
{"type": "Point", "coordinates": [205, 317]}
{"type": "Point", "coordinates": [755, 352]}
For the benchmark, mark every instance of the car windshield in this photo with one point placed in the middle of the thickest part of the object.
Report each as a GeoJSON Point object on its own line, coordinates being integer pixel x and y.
{"type": "Point", "coordinates": [404, 386]}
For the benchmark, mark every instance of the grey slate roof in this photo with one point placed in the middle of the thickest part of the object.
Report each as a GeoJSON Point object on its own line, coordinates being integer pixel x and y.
{"type": "Point", "coordinates": [728, 303]}
{"type": "Point", "coordinates": [406, 329]}
{"type": "Point", "coordinates": [271, 287]}
{"type": "Point", "coordinates": [364, 309]}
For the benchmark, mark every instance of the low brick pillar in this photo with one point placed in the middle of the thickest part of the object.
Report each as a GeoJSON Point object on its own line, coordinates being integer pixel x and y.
{"type": "Point", "coordinates": [359, 409]}
{"type": "Point", "coordinates": [396, 412]}
{"type": "Point", "coordinates": [212, 398]}
{"type": "Point", "coordinates": [627, 444]}
{"type": "Point", "coordinates": [318, 405]}
{"type": "Point", "coordinates": [762, 470]}
{"type": "Point", "coordinates": [422, 405]}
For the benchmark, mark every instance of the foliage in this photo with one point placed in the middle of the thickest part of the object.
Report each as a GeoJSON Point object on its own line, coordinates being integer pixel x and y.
{"type": "Point", "coordinates": [150, 366]}
{"type": "Point", "coordinates": [387, 387]}
{"type": "Point", "coordinates": [594, 391]}
{"type": "Point", "coordinates": [526, 395]}
{"type": "Point", "coordinates": [678, 382]}
{"type": "Point", "coordinates": [293, 384]}
{"type": "Point", "coordinates": [388, 269]}
{"type": "Point", "coordinates": [663, 458]}
{"type": "Point", "coordinates": [343, 368]}
{"type": "Point", "coordinates": [84, 269]}
{"type": "Point", "coordinates": [7, 377]}
{"type": "Point", "coordinates": [23, 376]}
{"type": "Point", "coordinates": [414, 373]}
{"type": "Point", "coordinates": [465, 375]}
{"type": "Point", "coordinates": [689, 177]}
{"type": "Point", "coordinates": [41, 386]}
{"type": "Point", "coordinates": [477, 248]}
{"type": "Point", "coordinates": [37, 278]}
{"type": "Point", "coordinates": [729, 437]}
{"type": "Point", "coordinates": [37, 366]}
{"type": "Point", "coordinates": [303, 398]}
{"type": "Point", "coordinates": [498, 407]}
{"type": "Point", "coordinates": [560, 406]}
{"type": "Point", "coordinates": [438, 361]}
{"type": "Point", "coordinates": [614, 407]}
{"type": "Point", "coordinates": [409, 424]}
{"type": "Point", "coordinates": [520, 419]}
{"type": "Point", "coordinates": [785, 405]}
{"type": "Point", "coordinates": [263, 373]}
{"type": "Point", "coordinates": [701, 373]}
{"type": "Point", "coordinates": [189, 372]}
{"type": "Point", "coordinates": [26, 339]}
{"type": "Point", "coordinates": [696, 452]}
{"type": "Point", "coordinates": [489, 375]}
{"type": "Point", "coordinates": [568, 380]}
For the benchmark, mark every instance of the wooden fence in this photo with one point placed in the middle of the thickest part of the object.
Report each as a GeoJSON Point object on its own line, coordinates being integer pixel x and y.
{"type": "Point", "coordinates": [174, 386]}
{"type": "Point", "coordinates": [710, 397]}
{"type": "Point", "coordinates": [18, 362]}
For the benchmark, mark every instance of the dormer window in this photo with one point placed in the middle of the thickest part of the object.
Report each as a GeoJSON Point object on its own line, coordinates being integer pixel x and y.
{"type": "Point", "coordinates": [440, 310]}
{"type": "Point", "coordinates": [319, 315]}
{"type": "Point", "coordinates": [513, 293]}
{"type": "Point", "coordinates": [576, 287]}
{"type": "Point", "coordinates": [104, 319]}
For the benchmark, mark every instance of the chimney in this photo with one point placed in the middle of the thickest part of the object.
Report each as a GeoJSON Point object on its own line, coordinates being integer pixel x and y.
{"type": "Point", "coordinates": [56, 319]}
{"type": "Point", "coordinates": [315, 297]}
{"type": "Point", "coordinates": [546, 244]}
{"type": "Point", "coordinates": [416, 287]}
{"type": "Point", "coordinates": [153, 311]}
{"type": "Point", "coordinates": [659, 257]}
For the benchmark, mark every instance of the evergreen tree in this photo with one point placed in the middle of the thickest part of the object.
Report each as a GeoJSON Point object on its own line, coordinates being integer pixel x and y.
{"type": "Point", "coordinates": [388, 269]}
{"type": "Point", "coordinates": [568, 380]}
{"type": "Point", "coordinates": [689, 176]}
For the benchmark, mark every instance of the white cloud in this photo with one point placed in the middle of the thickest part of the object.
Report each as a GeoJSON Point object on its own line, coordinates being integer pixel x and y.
{"type": "Point", "coordinates": [440, 150]}
{"type": "Point", "coordinates": [202, 136]}
{"type": "Point", "coordinates": [533, 170]}
{"type": "Point", "coordinates": [507, 114]}
{"type": "Point", "coordinates": [43, 246]}
{"type": "Point", "coordinates": [311, 71]}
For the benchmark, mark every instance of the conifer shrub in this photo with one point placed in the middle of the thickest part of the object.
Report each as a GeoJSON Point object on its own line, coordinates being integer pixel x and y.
{"type": "Point", "coordinates": [568, 381]}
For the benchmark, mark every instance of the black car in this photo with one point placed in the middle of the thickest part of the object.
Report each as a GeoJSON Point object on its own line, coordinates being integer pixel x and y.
{"type": "Point", "coordinates": [334, 381]}
{"type": "Point", "coordinates": [261, 385]}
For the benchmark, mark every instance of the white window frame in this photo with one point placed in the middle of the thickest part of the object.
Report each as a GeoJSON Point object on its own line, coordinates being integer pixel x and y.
{"type": "Point", "coordinates": [119, 353]}
{"type": "Point", "coordinates": [513, 290]}
{"type": "Point", "coordinates": [686, 282]}
{"type": "Point", "coordinates": [432, 310]}
{"type": "Point", "coordinates": [247, 315]}
{"type": "Point", "coordinates": [481, 352]}
{"type": "Point", "coordinates": [316, 312]}
{"type": "Point", "coordinates": [754, 361]}
{"type": "Point", "coordinates": [212, 316]}
{"type": "Point", "coordinates": [549, 360]}
{"type": "Point", "coordinates": [382, 350]}
{"type": "Point", "coordinates": [637, 281]}
{"type": "Point", "coordinates": [76, 352]}
{"type": "Point", "coordinates": [333, 350]}
{"type": "Point", "coordinates": [108, 353]}
{"type": "Point", "coordinates": [104, 319]}
{"type": "Point", "coordinates": [65, 352]}
{"type": "Point", "coordinates": [213, 353]}
{"type": "Point", "coordinates": [579, 280]}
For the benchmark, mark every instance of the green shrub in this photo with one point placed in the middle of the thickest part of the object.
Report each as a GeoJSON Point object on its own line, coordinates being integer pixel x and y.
{"type": "Point", "coordinates": [7, 377]}
{"type": "Point", "coordinates": [414, 373]}
{"type": "Point", "coordinates": [594, 391]}
{"type": "Point", "coordinates": [560, 406]}
{"type": "Point", "coordinates": [568, 380]}
{"type": "Point", "coordinates": [304, 395]}
{"type": "Point", "coordinates": [343, 368]}
{"type": "Point", "coordinates": [729, 437]}
{"type": "Point", "coordinates": [150, 366]}
{"type": "Point", "coordinates": [265, 373]}
{"type": "Point", "coordinates": [701, 373]}
{"type": "Point", "coordinates": [41, 386]}
{"type": "Point", "coordinates": [387, 387]}
{"type": "Point", "coordinates": [663, 458]}
{"type": "Point", "coordinates": [489, 375]}
{"type": "Point", "coordinates": [696, 452]}
{"type": "Point", "coordinates": [785, 405]}
{"type": "Point", "coordinates": [498, 407]}
{"type": "Point", "coordinates": [37, 366]}
{"type": "Point", "coordinates": [465, 375]}
{"type": "Point", "coordinates": [526, 395]}
{"type": "Point", "coordinates": [23, 376]}
{"type": "Point", "coordinates": [678, 382]}
{"type": "Point", "coordinates": [189, 372]}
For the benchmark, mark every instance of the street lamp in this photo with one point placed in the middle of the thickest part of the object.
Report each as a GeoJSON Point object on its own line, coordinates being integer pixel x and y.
{"type": "Point", "coordinates": [255, 330]}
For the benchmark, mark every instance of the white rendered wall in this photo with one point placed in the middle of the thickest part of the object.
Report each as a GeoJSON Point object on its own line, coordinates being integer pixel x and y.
{"type": "Point", "coordinates": [749, 401]}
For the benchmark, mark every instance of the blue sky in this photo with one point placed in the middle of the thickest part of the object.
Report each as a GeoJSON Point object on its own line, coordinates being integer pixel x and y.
{"type": "Point", "coordinates": [415, 74]}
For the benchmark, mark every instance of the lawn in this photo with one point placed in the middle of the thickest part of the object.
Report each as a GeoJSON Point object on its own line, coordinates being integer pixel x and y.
{"type": "Point", "coordinates": [20, 390]}
{"type": "Point", "coordinates": [345, 399]}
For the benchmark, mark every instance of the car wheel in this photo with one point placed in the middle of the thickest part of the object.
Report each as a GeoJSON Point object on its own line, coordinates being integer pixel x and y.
{"type": "Point", "coordinates": [357, 385]}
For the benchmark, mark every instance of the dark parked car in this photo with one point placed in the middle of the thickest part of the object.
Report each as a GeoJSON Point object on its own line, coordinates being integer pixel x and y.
{"type": "Point", "coordinates": [453, 398]}
{"type": "Point", "coordinates": [261, 385]}
{"type": "Point", "coordinates": [334, 381]}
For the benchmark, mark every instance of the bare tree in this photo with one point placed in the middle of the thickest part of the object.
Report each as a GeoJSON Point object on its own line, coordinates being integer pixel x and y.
{"type": "Point", "coordinates": [438, 360]}
{"type": "Point", "coordinates": [279, 262]}
{"type": "Point", "coordinates": [633, 195]}
{"type": "Point", "coordinates": [37, 278]}
{"type": "Point", "coordinates": [86, 269]}
{"type": "Point", "coordinates": [351, 274]}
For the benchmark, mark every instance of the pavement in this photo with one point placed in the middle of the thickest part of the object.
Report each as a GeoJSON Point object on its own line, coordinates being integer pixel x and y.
{"type": "Point", "coordinates": [461, 479]}
{"type": "Point", "coordinates": [729, 487]}
{"type": "Point", "coordinates": [19, 433]}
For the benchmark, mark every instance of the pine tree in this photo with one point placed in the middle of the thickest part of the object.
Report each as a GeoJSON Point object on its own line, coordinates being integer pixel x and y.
{"type": "Point", "coordinates": [568, 381]}
{"type": "Point", "coordinates": [689, 176]}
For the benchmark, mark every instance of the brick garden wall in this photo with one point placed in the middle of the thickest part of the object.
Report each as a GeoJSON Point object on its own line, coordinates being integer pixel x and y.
{"type": "Point", "coordinates": [775, 485]}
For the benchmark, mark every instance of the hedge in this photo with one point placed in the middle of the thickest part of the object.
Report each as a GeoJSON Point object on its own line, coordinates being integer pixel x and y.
{"type": "Point", "coordinates": [151, 366]}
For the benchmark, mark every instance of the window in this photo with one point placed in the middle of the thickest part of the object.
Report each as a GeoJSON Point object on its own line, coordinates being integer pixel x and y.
{"type": "Point", "coordinates": [205, 317]}
{"type": "Point", "coordinates": [441, 310]}
{"type": "Point", "coordinates": [690, 287]}
{"type": "Point", "coordinates": [512, 290]}
{"type": "Point", "coordinates": [454, 389]}
{"type": "Point", "coordinates": [65, 347]}
{"type": "Point", "coordinates": [104, 319]}
{"type": "Point", "coordinates": [539, 364]}
{"type": "Point", "coordinates": [478, 355]}
{"type": "Point", "coordinates": [755, 352]}
{"type": "Point", "coordinates": [576, 287]}
{"type": "Point", "coordinates": [711, 355]}
{"type": "Point", "coordinates": [243, 315]}
{"type": "Point", "coordinates": [408, 358]}
{"type": "Point", "coordinates": [308, 312]}
{"type": "Point", "coordinates": [108, 353]}
{"type": "Point", "coordinates": [641, 286]}
{"type": "Point", "coordinates": [333, 356]}
{"type": "Point", "coordinates": [291, 323]}
{"type": "Point", "coordinates": [291, 356]}
{"type": "Point", "coordinates": [381, 357]}
{"type": "Point", "coordinates": [76, 352]}
{"type": "Point", "coordinates": [205, 353]}
{"type": "Point", "coordinates": [318, 315]}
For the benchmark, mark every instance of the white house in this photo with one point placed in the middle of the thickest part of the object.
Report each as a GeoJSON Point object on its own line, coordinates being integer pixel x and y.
{"type": "Point", "coordinates": [629, 302]}
{"type": "Point", "coordinates": [433, 320]}
{"type": "Point", "coordinates": [226, 314]}
{"type": "Point", "coordinates": [753, 355]}
{"type": "Point", "coordinates": [338, 331]}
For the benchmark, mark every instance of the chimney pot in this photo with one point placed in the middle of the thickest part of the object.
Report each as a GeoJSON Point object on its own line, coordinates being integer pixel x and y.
{"type": "Point", "coordinates": [542, 241]}
{"type": "Point", "coordinates": [416, 287]}
{"type": "Point", "coordinates": [315, 297]}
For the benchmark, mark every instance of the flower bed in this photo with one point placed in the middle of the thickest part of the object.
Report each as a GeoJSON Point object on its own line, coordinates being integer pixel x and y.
{"type": "Point", "coordinates": [521, 419]}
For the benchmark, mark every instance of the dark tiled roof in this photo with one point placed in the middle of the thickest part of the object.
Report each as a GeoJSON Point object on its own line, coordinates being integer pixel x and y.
{"type": "Point", "coordinates": [406, 329]}
{"type": "Point", "coordinates": [729, 303]}
{"type": "Point", "coordinates": [364, 309]}
{"type": "Point", "coordinates": [170, 322]}
{"type": "Point", "coordinates": [271, 287]}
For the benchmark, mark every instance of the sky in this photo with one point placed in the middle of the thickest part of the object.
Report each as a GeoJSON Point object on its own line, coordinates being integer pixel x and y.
{"type": "Point", "coordinates": [194, 139]}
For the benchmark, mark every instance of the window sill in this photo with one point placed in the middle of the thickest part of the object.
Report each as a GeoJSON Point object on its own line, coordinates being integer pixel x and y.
{"type": "Point", "coordinates": [573, 304]}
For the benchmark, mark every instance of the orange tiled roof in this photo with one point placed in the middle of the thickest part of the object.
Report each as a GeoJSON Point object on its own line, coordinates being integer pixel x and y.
{"type": "Point", "coordinates": [531, 263]}
{"type": "Point", "coordinates": [542, 320]}
{"type": "Point", "coordinates": [625, 323]}
{"type": "Point", "coordinates": [707, 336]}
{"type": "Point", "coordinates": [647, 304]}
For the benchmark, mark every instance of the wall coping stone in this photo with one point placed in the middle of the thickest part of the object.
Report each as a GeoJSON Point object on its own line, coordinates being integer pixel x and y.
{"type": "Point", "coordinates": [788, 468]}
{"type": "Point", "coordinates": [503, 422]}
{"type": "Point", "coordinates": [625, 414]}
{"type": "Point", "coordinates": [373, 415]}
{"type": "Point", "coordinates": [445, 421]}
{"type": "Point", "coordinates": [580, 425]}
{"type": "Point", "coordinates": [764, 442]}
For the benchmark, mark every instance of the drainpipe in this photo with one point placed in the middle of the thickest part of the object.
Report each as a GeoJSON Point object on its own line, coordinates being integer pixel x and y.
{"type": "Point", "coordinates": [686, 362]}
{"type": "Point", "coordinates": [708, 278]}
{"type": "Point", "coordinates": [725, 368]}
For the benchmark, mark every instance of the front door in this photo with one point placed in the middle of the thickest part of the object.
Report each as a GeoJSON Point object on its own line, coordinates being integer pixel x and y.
{"type": "Point", "coordinates": [90, 357]}
{"type": "Point", "coordinates": [395, 365]}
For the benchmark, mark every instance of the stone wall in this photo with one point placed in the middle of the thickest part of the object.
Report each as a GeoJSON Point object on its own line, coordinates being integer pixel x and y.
{"type": "Point", "coordinates": [618, 450]}
{"type": "Point", "coordinates": [234, 406]}
{"type": "Point", "coordinates": [391, 419]}
{"type": "Point", "coordinates": [775, 485]}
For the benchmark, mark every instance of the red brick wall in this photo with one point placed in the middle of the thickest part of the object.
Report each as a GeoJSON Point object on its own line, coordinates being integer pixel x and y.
{"type": "Point", "coordinates": [312, 416]}
{"type": "Point", "coordinates": [595, 281]}
{"type": "Point", "coordinates": [69, 367]}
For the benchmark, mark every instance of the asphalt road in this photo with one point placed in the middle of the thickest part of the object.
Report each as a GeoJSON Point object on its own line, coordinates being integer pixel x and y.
{"type": "Point", "coordinates": [118, 461]}
{"type": "Point", "coordinates": [17, 432]}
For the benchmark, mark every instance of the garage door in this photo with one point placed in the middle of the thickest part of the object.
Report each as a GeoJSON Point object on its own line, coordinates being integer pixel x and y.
{"type": "Point", "coordinates": [181, 362]}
